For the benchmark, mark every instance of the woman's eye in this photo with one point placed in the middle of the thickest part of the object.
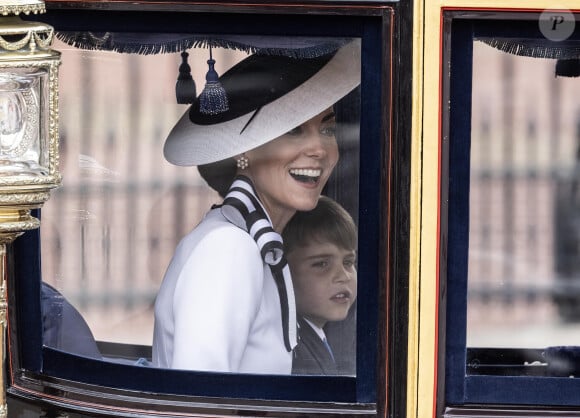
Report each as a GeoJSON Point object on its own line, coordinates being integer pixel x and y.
{"type": "Point", "coordinates": [294, 132]}
{"type": "Point", "coordinates": [328, 130]}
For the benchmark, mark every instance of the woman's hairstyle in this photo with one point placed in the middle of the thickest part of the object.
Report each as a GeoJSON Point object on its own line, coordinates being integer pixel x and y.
{"type": "Point", "coordinates": [327, 222]}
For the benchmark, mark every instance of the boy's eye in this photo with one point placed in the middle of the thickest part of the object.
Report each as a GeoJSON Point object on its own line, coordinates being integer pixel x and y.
{"type": "Point", "coordinates": [320, 264]}
{"type": "Point", "coordinates": [349, 263]}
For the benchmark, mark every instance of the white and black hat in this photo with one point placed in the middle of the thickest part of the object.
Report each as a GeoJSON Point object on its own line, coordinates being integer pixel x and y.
{"type": "Point", "coordinates": [268, 95]}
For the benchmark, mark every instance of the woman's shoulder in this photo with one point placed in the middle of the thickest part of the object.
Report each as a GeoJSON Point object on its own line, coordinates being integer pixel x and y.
{"type": "Point", "coordinates": [216, 230]}
{"type": "Point", "coordinates": [217, 248]}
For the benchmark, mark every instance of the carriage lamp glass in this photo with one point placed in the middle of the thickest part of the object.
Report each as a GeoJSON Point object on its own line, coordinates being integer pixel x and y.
{"type": "Point", "coordinates": [28, 111]}
{"type": "Point", "coordinates": [22, 127]}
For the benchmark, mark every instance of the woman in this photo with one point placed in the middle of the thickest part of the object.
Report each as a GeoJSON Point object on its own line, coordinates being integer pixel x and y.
{"type": "Point", "coordinates": [226, 302]}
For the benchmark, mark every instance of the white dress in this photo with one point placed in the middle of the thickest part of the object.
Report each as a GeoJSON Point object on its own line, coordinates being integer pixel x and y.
{"type": "Point", "coordinates": [218, 308]}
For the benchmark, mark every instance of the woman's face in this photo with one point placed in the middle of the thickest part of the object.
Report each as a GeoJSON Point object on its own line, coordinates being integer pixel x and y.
{"type": "Point", "coordinates": [290, 171]}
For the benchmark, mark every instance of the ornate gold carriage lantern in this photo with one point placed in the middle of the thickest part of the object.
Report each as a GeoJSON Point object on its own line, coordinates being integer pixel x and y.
{"type": "Point", "coordinates": [28, 133]}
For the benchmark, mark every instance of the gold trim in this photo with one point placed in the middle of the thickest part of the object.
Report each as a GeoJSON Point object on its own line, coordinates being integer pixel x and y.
{"type": "Point", "coordinates": [50, 61]}
{"type": "Point", "coordinates": [423, 289]}
{"type": "Point", "coordinates": [15, 7]}
{"type": "Point", "coordinates": [428, 289]}
{"type": "Point", "coordinates": [25, 46]}
{"type": "Point", "coordinates": [11, 230]}
{"type": "Point", "coordinates": [12, 224]}
{"type": "Point", "coordinates": [31, 200]}
{"type": "Point", "coordinates": [24, 33]}
{"type": "Point", "coordinates": [3, 327]}
{"type": "Point", "coordinates": [28, 182]}
{"type": "Point", "coordinates": [13, 215]}
{"type": "Point", "coordinates": [424, 213]}
{"type": "Point", "coordinates": [415, 212]}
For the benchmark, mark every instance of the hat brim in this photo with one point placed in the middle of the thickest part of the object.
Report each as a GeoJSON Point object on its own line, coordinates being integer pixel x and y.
{"type": "Point", "coordinates": [190, 144]}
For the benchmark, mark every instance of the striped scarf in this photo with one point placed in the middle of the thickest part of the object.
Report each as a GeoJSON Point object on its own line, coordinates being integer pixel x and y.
{"type": "Point", "coordinates": [242, 208]}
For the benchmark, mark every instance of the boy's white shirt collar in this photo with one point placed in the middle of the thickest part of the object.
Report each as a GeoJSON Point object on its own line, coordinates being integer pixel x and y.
{"type": "Point", "coordinates": [319, 331]}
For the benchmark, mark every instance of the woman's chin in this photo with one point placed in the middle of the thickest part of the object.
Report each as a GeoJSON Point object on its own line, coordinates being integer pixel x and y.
{"type": "Point", "coordinates": [306, 205]}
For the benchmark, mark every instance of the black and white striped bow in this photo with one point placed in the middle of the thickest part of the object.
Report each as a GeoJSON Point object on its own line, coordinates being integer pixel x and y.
{"type": "Point", "coordinates": [242, 208]}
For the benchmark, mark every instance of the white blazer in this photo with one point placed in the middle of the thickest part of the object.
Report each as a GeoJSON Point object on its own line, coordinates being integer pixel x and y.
{"type": "Point", "coordinates": [218, 307]}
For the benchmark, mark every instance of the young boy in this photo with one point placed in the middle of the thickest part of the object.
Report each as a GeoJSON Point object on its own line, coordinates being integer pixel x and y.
{"type": "Point", "coordinates": [320, 246]}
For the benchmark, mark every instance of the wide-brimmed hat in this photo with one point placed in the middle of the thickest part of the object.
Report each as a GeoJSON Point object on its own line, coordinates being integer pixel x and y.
{"type": "Point", "coordinates": [268, 96]}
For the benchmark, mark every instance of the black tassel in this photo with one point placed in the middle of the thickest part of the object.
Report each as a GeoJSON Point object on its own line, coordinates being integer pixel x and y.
{"type": "Point", "coordinates": [213, 98]}
{"type": "Point", "coordinates": [568, 68]}
{"type": "Point", "coordinates": [185, 91]}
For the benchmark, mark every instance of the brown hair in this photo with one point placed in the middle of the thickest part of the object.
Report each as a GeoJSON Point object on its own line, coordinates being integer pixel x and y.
{"type": "Point", "coordinates": [327, 222]}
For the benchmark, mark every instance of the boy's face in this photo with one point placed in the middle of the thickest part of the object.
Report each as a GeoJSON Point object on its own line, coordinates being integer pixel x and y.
{"type": "Point", "coordinates": [324, 278]}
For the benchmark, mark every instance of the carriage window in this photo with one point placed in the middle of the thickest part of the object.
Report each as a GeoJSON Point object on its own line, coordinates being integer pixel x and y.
{"type": "Point", "coordinates": [514, 150]}
{"type": "Point", "coordinates": [207, 249]}
{"type": "Point", "coordinates": [112, 232]}
{"type": "Point", "coordinates": [524, 265]}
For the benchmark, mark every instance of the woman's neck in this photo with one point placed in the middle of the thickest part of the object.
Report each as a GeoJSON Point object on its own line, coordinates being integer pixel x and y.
{"type": "Point", "coordinates": [279, 222]}
{"type": "Point", "coordinates": [279, 215]}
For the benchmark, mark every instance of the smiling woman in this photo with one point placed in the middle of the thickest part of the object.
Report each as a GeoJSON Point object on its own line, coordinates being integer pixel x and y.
{"type": "Point", "coordinates": [227, 300]}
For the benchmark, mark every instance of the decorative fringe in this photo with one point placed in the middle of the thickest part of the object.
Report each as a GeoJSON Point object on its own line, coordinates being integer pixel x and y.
{"type": "Point", "coordinates": [185, 90]}
{"type": "Point", "coordinates": [567, 54]}
{"type": "Point", "coordinates": [288, 47]}
{"type": "Point", "coordinates": [128, 43]}
{"type": "Point", "coordinates": [535, 48]}
{"type": "Point", "coordinates": [213, 99]}
{"type": "Point", "coordinates": [163, 43]}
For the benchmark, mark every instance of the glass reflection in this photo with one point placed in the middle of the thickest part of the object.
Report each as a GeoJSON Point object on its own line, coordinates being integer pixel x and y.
{"type": "Point", "coordinates": [524, 275]}
{"type": "Point", "coordinates": [20, 128]}
{"type": "Point", "coordinates": [109, 232]}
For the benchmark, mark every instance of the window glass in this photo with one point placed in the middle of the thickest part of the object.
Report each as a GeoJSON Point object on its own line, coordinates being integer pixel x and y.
{"type": "Point", "coordinates": [523, 288]}
{"type": "Point", "coordinates": [110, 231]}
{"type": "Point", "coordinates": [513, 164]}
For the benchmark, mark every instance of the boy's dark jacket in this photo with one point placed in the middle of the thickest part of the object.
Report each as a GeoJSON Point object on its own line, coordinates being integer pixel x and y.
{"type": "Point", "coordinates": [311, 355]}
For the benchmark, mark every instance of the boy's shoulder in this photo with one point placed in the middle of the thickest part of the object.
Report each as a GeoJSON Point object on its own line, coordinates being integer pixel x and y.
{"type": "Point", "coordinates": [311, 355]}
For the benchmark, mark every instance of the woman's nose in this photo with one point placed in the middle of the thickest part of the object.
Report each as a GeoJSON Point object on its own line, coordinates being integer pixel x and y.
{"type": "Point", "coordinates": [316, 146]}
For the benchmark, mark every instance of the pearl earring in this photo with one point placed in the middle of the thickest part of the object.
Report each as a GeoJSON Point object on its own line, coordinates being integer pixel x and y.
{"type": "Point", "coordinates": [242, 162]}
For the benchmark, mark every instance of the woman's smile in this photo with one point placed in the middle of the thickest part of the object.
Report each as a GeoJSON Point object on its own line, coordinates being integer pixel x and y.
{"type": "Point", "coordinates": [307, 176]}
